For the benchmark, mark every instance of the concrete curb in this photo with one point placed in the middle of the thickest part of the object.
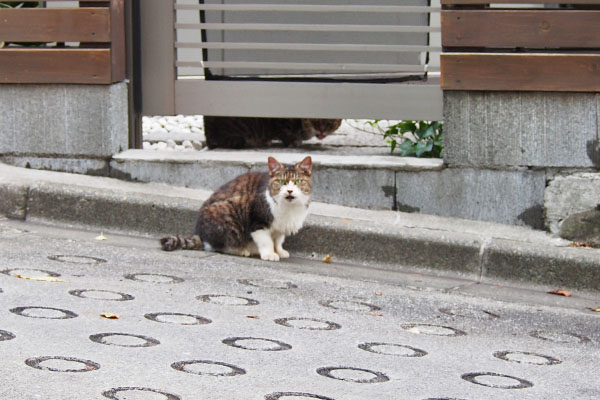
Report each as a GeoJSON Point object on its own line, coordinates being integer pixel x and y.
{"type": "Point", "coordinates": [380, 239]}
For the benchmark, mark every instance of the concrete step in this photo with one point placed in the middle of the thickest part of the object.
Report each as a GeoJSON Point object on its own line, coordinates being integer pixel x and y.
{"type": "Point", "coordinates": [388, 240]}
{"type": "Point", "coordinates": [365, 177]}
{"type": "Point", "coordinates": [367, 181]}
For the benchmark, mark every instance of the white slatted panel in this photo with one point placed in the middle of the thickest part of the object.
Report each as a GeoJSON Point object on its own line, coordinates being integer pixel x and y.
{"type": "Point", "coordinates": [344, 39]}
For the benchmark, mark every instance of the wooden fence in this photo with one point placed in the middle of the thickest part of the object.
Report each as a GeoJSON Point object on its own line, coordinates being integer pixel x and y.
{"type": "Point", "coordinates": [521, 49]}
{"type": "Point", "coordinates": [84, 44]}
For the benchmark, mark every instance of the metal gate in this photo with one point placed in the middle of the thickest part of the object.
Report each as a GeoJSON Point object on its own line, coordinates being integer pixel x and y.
{"type": "Point", "coordinates": [292, 58]}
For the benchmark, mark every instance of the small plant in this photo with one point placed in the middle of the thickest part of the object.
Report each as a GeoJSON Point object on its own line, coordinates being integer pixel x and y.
{"type": "Point", "coordinates": [415, 138]}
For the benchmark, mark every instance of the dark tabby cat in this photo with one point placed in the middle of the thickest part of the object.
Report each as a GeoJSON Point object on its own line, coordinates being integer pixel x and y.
{"type": "Point", "coordinates": [253, 213]}
{"type": "Point", "coordinates": [241, 132]}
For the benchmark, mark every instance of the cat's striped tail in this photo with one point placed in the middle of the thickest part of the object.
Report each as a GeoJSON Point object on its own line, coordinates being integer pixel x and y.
{"type": "Point", "coordinates": [171, 243]}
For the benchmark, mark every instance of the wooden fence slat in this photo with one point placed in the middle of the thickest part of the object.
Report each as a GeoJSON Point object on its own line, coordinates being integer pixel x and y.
{"type": "Point", "coordinates": [117, 39]}
{"type": "Point", "coordinates": [527, 72]}
{"type": "Point", "coordinates": [518, 28]}
{"type": "Point", "coordinates": [89, 66]}
{"type": "Point", "coordinates": [54, 25]}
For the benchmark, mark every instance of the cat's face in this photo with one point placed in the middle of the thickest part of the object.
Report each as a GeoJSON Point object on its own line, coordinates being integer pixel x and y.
{"type": "Point", "coordinates": [319, 127]}
{"type": "Point", "coordinates": [290, 185]}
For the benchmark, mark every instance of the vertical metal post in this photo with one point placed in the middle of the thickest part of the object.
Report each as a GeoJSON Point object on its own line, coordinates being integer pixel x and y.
{"type": "Point", "coordinates": [134, 63]}
{"type": "Point", "coordinates": [158, 57]}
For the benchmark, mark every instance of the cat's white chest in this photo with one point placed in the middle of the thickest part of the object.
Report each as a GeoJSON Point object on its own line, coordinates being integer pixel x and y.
{"type": "Point", "coordinates": [288, 218]}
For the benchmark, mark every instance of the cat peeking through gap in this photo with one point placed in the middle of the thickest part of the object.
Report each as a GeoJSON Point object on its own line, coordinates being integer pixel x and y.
{"type": "Point", "coordinates": [253, 213]}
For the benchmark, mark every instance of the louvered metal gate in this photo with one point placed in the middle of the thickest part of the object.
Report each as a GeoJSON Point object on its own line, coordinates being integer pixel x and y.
{"type": "Point", "coordinates": [292, 58]}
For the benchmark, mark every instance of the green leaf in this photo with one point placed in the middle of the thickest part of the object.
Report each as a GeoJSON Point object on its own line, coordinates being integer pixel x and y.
{"type": "Point", "coordinates": [407, 148]}
{"type": "Point", "coordinates": [429, 132]}
{"type": "Point", "coordinates": [421, 148]}
{"type": "Point", "coordinates": [407, 126]}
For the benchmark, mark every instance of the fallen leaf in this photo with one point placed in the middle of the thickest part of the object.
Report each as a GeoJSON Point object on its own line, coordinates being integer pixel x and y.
{"type": "Point", "coordinates": [585, 245]}
{"type": "Point", "coordinates": [561, 292]}
{"type": "Point", "coordinates": [374, 314]}
{"type": "Point", "coordinates": [593, 309]}
{"type": "Point", "coordinates": [101, 236]}
{"type": "Point", "coordinates": [327, 259]}
{"type": "Point", "coordinates": [253, 316]}
{"type": "Point", "coordinates": [378, 293]}
{"type": "Point", "coordinates": [39, 278]}
{"type": "Point", "coordinates": [108, 315]}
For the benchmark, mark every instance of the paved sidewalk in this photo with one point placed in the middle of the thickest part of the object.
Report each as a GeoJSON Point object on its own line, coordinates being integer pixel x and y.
{"type": "Point", "coordinates": [395, 241]}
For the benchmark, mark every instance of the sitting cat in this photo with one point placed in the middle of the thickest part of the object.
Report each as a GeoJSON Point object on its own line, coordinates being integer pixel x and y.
{"type": "Point", "coordinates": [248, 132]}
{"type": "Point", "coordinates": [253, 213]}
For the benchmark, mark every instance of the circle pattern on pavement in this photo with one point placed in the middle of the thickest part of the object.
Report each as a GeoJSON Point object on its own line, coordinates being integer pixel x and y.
{"type": "Point", "coordinates": [16, 271]}
{"type": "Point", "coordinates": [298, 395]}
{"type": "Point", "coordinates": [497, 381]}
{"type": "Point", "coordinates": [6, 335]}
{"type": "Point", "coordinates": [124, 340]}
{"type": "Point", "coordinates": [72, 259]}
{"type": "Point", "coordinates": [356, 375]}
{"type": "Point", "coordinates": [98, 294]}
{"type": "Point", "coordinates": [559, 337]}
{"type": "Point", "coordinates": [60, 364]}
{"type": "Point", "coordinates": [469, 313]}
{"type": "Point", "coordinates": [207, 367]}
{"type": "Point", "coordinates": [226, 300]}
{"type": "Point", "coordinates": [434, 330]}
{"type": "Point", "coordinates": [349, 305]}
{"type": "Point", "coordinates": [43, 312]}
{"type": "Point", "coordinates": [153, 278]}
{"type": "Point", "coordinates": [526, 358]}
{"type": "Point", "coordinates": [177, 318]}
{"type": "Point", "coordinates": [308, 323]}
{"type": "Point", "coordinates": [268, 283]}
{"type": "Point", "coordinates": [391, 349]}
{"type": "Point", "coordinates": [258, 344]}
{"type": "Point", "coordinates": [114, 393]}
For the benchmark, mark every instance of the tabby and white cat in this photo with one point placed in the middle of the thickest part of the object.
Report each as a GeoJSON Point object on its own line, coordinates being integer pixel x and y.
{"type": "Point", "coordinates": [253, 213]}
{"type": "Point", "coordinates": [248, 132]}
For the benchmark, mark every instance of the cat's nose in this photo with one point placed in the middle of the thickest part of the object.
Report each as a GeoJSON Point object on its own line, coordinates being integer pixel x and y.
{"type": "Point", "coordinates": [290, 191]}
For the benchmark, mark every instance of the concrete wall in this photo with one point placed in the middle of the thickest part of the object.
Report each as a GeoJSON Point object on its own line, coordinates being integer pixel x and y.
{"type": "Point", "coordinates": [551, 137]}
{"type": "Point", "coordinates": [532, 129]}
{"type": "Point", "coordinates": [74, 128]}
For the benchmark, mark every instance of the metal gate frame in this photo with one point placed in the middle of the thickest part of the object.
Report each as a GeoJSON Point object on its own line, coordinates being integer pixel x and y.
{"type": "Point", "coordinates": [164, 93]}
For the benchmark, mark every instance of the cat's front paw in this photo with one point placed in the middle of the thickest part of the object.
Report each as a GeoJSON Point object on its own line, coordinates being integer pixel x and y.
{"type": "Point", "coordinates": [269, 256]}
{"type": "Point", "coordinates": [283, 253]}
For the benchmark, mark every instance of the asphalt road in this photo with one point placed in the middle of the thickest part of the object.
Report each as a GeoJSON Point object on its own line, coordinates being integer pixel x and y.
{"type": "Point", "coordinates": [195, 325]}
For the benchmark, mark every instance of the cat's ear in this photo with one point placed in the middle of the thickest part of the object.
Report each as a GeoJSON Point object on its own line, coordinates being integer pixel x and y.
{"type": "Point", "coordinates": [305, 166]}
{"type": "Point", "coordinates": [274, 166]}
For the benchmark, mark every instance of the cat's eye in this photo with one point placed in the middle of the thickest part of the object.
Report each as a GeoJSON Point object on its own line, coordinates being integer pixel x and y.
{"type": "Point", "coordinates": [282, 182]}
{"type": "Point", "coordinates": [298, 181]}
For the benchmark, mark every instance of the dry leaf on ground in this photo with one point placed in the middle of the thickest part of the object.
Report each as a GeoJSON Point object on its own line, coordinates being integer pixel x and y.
{"type": "Point", "coordinates": [374, 314]}
{"type": "Point", "coordinates": [593, 309]}
{"type": "Point", "coordinates": [585, 245]}
{"type": "Point", "coordinates": [39, 278]}
{"type": "Point", "coordinates": [327, 259]}
{"type": "Point", "coordinates": [378, 293]}
{"type": "Point", "coordinates": [101, 236]}
{"type": "Point", "coordinates": [108, 315]}
{"type": "Point", "coordinates": [561, 292]}
{"type": "Point", "coordinates": [253, 316]}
